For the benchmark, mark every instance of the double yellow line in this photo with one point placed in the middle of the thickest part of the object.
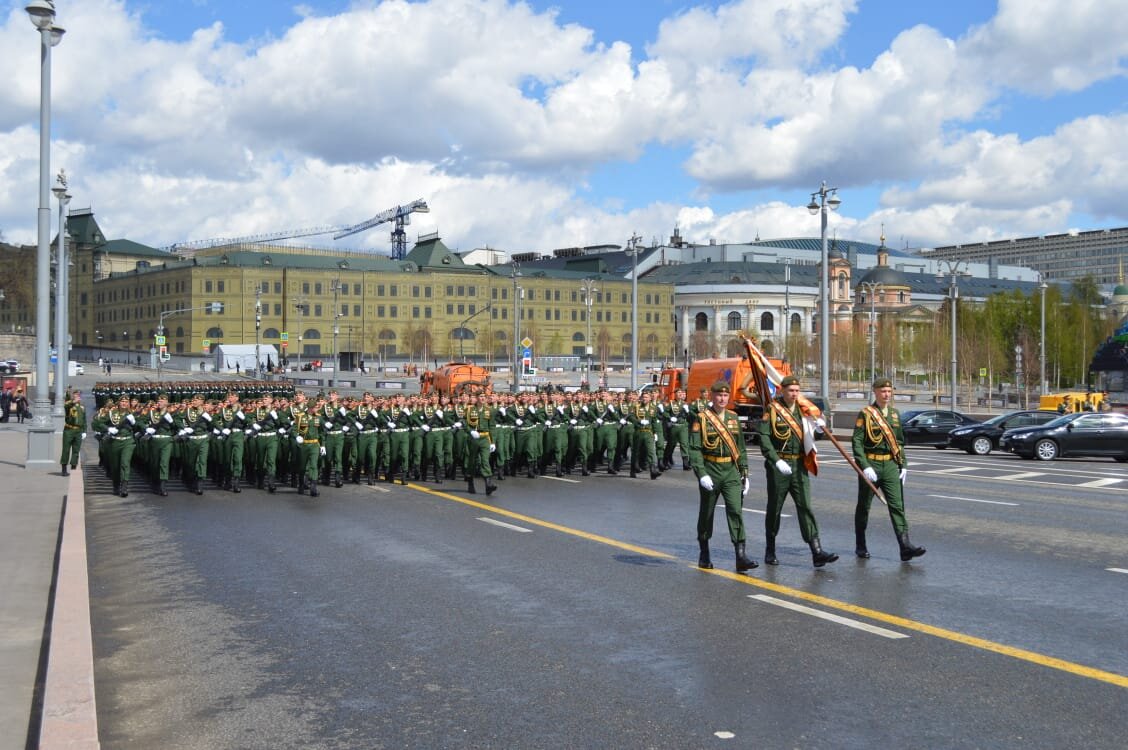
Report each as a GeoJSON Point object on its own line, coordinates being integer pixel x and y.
{"type": "Point", "coordinates": [873, 614]}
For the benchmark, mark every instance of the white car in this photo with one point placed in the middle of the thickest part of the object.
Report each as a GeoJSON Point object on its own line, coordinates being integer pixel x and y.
{"type": "Point", "coordinates": [75, 368]}
{"type": "Point", "coordinates": [10, 366]}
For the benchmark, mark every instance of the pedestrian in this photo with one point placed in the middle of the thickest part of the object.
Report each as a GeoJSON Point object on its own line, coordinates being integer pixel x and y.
{"type": "Point", "coordinates": [786, 437]}
{"type": "Point", "coordinates": [717, 455]}
{"type": "Point", "coordinates": [20, 405]}
{"type": "Point", "coordinates": [879, 450]}
{"type": "Point", "coordinates": [6, 399]}
{"type": "Point", "coordinates": [74, 430]}
{"type": "Point", "coordinates": [109, 368]}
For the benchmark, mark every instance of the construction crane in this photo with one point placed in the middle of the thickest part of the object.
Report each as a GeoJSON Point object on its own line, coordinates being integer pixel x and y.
{"type": "Point", "coordinates": [401, 215]}
{"type": "Point", "coordinates": [399, 237]}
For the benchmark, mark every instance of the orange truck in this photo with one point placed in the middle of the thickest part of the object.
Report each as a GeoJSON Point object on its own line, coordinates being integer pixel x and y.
{"type": "Point", "coordinates": [455, 379]}
{"type": "Point", "coordinates": [736, 371]}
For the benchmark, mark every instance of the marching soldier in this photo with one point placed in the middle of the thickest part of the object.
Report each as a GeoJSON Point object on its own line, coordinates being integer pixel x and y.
{"type": "Point", "coordinates": [526, 423]}
{"type": "Point", "coordinates": [233, 424]}
{"type": "Point", "coordinates": [160, 432]}
{"type": "Point", "coordinates": [717, 455]}
{"type": "Point", "coordinates": [479, 423]}
{"type": "Point", "coordinates": [265, 425]}
{"type": "Point", "coordinates": [879, 449]}
{"type": "Point", "coordinates": [74, 431]}
{"type": "Point", "coordinates": [118, 428]}
{"type": "Point", "coordinates": [782, 443]}
{"type": "Point", "coordinates": [643, 416]}
{"type": "Point", "coordinates": [677, 430]}
{"type": "Point", "coordinates": [308, 430]}
{"type": "Point", "coordinates": [196, 426]}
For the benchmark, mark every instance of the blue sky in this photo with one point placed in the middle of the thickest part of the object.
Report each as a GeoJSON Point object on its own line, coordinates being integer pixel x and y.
{"type": "Point", "coordinates": [527, 126]}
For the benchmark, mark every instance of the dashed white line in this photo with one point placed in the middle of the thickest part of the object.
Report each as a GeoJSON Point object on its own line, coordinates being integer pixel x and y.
{"type": "Point", "coordinates": [505, 525]}
{"type": "Point", "coordinates": [954, 470]}
{"type": "Point", "coordinates": [559, 479]}
{"type": "Point", "coordinates": [1100, 483]}
{"type": "Point", "coordinates": [973, 500]}
{"type": "Point", "coordinates": [1116, 570]}
{"type": "Point", "coordinates": [858, 625]}
{"type": "Point", "coordinates": [1023, 475]}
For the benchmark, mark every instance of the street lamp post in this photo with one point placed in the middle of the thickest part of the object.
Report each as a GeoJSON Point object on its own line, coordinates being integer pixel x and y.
{"type": "Point", "coordinates": [953, 271]}
{"type": "Point", "coordinates": [98, 338]}
{"type": "Point", "coordinates": [299, 355]}
{"type": "Point", "coordinates": [62, 285]}
{"type": "Point", "coordinates": [589, 288]}
{"type": "Point", "coordinates": [1042, 341]}
{"type": "Point", "coordinates": [258, 325]}
{"type": "Point", "coordinates": [516, 274]}
{"type": "Point", "coordinates": [336, 287]}
{"type": "Point", "coordinates": [632, 246]}
{"type": "Point", "coordinates": [871, 288]}
{"type": "Point", "coordinates": [826, 198]}
{"type": "Point", "coordinates": [39, 438]}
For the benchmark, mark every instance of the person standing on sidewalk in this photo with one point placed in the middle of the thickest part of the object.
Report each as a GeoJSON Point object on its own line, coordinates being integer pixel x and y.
{"type": "Point", "coordinates": [781, 441]}
{"type": "Point", "coordinates": [879, 449]}
{"type": "Point", "coordinates": [74, 430]}
{"type": "Point", "coordinates": [717, 455]}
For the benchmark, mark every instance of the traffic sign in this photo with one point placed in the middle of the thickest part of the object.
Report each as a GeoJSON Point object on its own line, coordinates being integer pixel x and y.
{"type": "Point", "coordinates": [160, 340]}
{"type": "Point", "coordinates": [527, 354]}
{"type": "Point", "coordinates": [982, 372]}
{"type": "Point", "coordinates": [285, 343]}
{"type": "Point", "coordinates": [284, 336]}
{"type": "Point", "coordinates": [527, 342]}
{"type": "Point", "coordinates": [164, 355]}
{"type": "Point", "coordinates": [207, 343]}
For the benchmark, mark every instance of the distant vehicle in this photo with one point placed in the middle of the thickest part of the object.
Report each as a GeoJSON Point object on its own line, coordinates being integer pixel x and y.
{"type": "Point", "coordinates": [455, 379]}
{"type": "Point", "coordinates": [931, 426]}
{"type": "Point", "coordinates": [1084, 434]}
{"type": "Point", "coordinates": [980, 439]}
{"type": "Point", "coordinates": [10, 366]}
{"type": "Point", "coordinates": [75, 368]}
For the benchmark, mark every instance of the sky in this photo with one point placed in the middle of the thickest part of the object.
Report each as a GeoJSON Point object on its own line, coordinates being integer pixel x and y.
{"type": "Point", "coordinates": [530, 126]}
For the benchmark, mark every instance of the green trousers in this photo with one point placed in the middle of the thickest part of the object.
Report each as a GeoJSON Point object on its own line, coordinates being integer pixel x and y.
{"type": "Point", "coordinates": [889, 482]}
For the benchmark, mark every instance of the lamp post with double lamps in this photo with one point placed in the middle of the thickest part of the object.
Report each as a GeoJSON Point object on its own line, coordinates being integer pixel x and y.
{"type": "Point", "coordinates": [822, 199]}
{"type": "Point", "coordinates": [633, 249]}
{"type": "Point", "coordinates": [516, 274]}
{"type": "Point", "coordinates": [953, 274]}
{"type": "Point", "coordinates": [588, 287]}
{"type": "Point", "coordinates": [40, 441]}
{"type": "Point", "coordinates": [62, 286]}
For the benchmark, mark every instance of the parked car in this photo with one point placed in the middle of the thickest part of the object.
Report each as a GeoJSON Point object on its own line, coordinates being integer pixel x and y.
{"type": "Point", "coordinates": [931, 426]}
{"type": "Point", "coordinates": [10, 366]}
{"type": "Point", "coordinates": [980, 439]}
{"type": "Point", "coordinates": [1083, 434]}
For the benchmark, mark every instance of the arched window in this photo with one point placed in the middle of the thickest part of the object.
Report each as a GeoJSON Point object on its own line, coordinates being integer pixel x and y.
{"type": "Point", "coordinates": [180, 330]}
{"type": "Point", "coordinates": [701, 322]}
{"type": "Point", "coordinates": [842, 284]}
{"type": "Point", "coordinates": [312, 333]}
{"type": "Point", "coordinates": [213, 333]}
{"type": "Point", "coordinates": [577, 336]}
{"type": "Point", "coordinates": [387, 335]}
{"type": "Point", "coordinates": [270, 333]}
{"type": "Point", "coordinates": [735, 322]}
{"type": "Point", "coordinates": [901, 297]}
{"type": "Point", "coordinates": [462, 334]}
{"type": "Point", "coordinates": [796, 323]}
{"type": "Point", "coordinates": [767, 322]}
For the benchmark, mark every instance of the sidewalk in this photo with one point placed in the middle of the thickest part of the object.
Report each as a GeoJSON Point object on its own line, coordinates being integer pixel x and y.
{"type": "Point", "coordinates": [42, 518]}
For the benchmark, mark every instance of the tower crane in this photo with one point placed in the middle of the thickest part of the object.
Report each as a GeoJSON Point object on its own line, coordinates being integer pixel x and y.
{"type": "Point", "coordinates": [400, 214]}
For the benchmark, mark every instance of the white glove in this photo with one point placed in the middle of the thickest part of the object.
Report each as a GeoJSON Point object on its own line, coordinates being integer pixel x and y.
{"type": "Point", "coordinates": [345, 429]}
{"type": "Point", "coordinates": [548, 423]}
{"type": "Point", "coordinates": [112, 430]}
{"type": "Point", "coordinates": [150, 431]}
{"type": "Point", "coordinates": [655, 438]}
{"type": "Point", "coordinates": [706, 482]}
{"type": "Point", "coordinates": [281, 431]}
{"type": "Point", "coordinates": [501, 409]}
{"type": "Point", "coordinates": [273, 414]}
{"type": "Point", "coordinates": [904, 473]}
{"type": "Point", "coordinates": [206, 416]}
{"type": "Point", "coordinates": [869, 473]}
{"type": "Point", "coordinates": [84, 436]}
{"type": "Point", "coordinates": [129, 418]}
{"type": "Point", "coordinates": [215, 430]}
{"type": "Point", "coordinates": [673, 420]}
{"type": "Point", "coordinates": [475, 434]}
{"type": "Point", "coordinates": [560, 409]}
{"type": "Point", "coordinates": [426, 428]}
{"type": "Point", "coordinates": [323, 450]}
{"type": "Point", "coordinates": [226, 430]}
{"type": "Point", "coordinates": [299, 439]}
{"type": "Point", "coordinates": [747, 486]}
{"type": "Point", "coordinates": [240, 414]}
{"type": "Point", "coordinates": [439, 412]}
{"type": "Point", "coordinates": [783, 468]}
{"type": "Point", "coordinates": [820, 424]}
{"type": "Point", "coordinates": [622, 421]}
{"type": "Point", "coordinates": [520, 421]}
{"type": "Point", "coordinates": [599, 421]}
{"type": "Point", "coordinates": [328, 425]}
{"type": "Point", "coordinates": [572, 422]}
{"type": "Point", "coordinates": [359, 426]}
{"type": "Point", "coordinates": [644, 422]}
{"type": "Point", "coordinates": [685, 408]}
{"type": "Point", "coordinates": [457, 425]}
{"type": "Point", "coordinates": [248, 432]}
{"type": "Point", "coordinates": [492, 447]}
{"type": "Point", "coordinates": [168, 417]}
{"type": "Point", "coordinates": [584, 409]}
{"type": "Point", "coordinates": [407, 411]}
{"type": "Point", "coordinates": [342, 411]}
{"type": "Point", "coordinates": [257, 426]}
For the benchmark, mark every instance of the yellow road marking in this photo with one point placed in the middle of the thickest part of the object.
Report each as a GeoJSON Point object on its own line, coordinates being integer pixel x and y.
{"type": "Point", "coordinates": [873, 614]}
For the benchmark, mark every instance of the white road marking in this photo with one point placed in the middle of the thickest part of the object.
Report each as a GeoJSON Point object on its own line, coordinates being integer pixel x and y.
{"type": "Point", "coordinates": [378, 488]}
{"type": "Point", "coordinates": [753, 510]}
{"type": "Point", "coordinates": [1023, 475]}
{"type": "Point", "coordinates": [1116, 570]}
{"type": "Point", "coordinates": [954, 470]}
{"type": "Point", "coordinates": [828, 616]}
{"type": "Point", "coordinates": [560, 479]}
{"type": "Point", "coordinates": [505, 525]}
{"type": "Point", "coordinates": [973, 500]}
{"type": "Point", "coordinates": [723, 735]}
{"type": "Point", "coordinates": [1100, 483]}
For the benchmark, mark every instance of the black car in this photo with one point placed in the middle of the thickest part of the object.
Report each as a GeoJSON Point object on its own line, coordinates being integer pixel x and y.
{"type": "Point", "coordinates": [1083, 434]}
{"type": "Point", "coordinates": [983, 437]}
{"type": "Point", "coordinates": [931, 426]}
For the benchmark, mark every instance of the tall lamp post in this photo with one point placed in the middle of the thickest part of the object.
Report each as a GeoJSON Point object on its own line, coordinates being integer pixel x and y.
{"type": "Point", "coordinates": [821, 200]}
{"type": "Point", "coordinates": [1042, 341]}
{"type": "Point", "coordinates": [516, 274]}
{"type": "Point", "coordinates": [336, 287]}
{"type": "Point", "coordinates": [258, 325]}
{"type": "Point", "coordinates": [588, 287]}
{"type": "Point", "coordinates": [62, 285]}
{"type": "Point", "coordinates": [632, 248]}
{"type": "Point", "coordinates": [39, 437]}
{"type": "Point", "coordinates": [871, 288]}
{"type": "Point", "coordinates": [953, 272]}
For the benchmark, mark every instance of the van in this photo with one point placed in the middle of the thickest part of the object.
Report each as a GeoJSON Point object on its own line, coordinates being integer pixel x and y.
{"type": "Point", "coordinates": [75, 368]}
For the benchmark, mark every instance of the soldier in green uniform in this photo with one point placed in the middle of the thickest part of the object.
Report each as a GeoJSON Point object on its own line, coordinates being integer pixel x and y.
{"type": "Point", "coordinates": [581, 433]}
{"type": "Point", "coordinates": [196, 426]}
{"type": "Point", "coordinates": [879, 449]}
{"type": "Point", "coordinates": [606, 441]}
{"type": "Point", "coordinates": [119, 431]}
{"type": "Point", "coordinates": [643, 417]}
{"type": "Point", "coordinates": [265, 425]}
{"type": "Point", "coordinates": [308, 431]}
{"type": "Point", "coordinates": [160, 431]}
{"type": "Point", "coordinates": [74, 431]}
{"type": "Point", "coordinates": [677, 430]}
{"type": "Point", "coordinates": [398, 421]}
{"type": "Point", "coordinates": [334, 418]}
{"type": "Point", "coordinates": [781, 442]}
{"type": "Point", "coordinates": [367, 430]}
{"type": "Point", "coordinates": [233, 424]}
{"type": "Point", "coordinates": [479, 423]}
{"type": "Point", "coordinates": [717, 455]}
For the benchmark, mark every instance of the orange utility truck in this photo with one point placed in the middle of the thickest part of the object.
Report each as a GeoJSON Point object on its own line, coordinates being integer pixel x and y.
{"type": "Point", "coordinates": [455, 379]}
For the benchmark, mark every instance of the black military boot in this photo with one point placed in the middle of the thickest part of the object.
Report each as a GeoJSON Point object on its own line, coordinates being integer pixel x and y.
{"type": "Point", "coordinates": [490, 486]}
{"type": "Point", "coordinates": [117, 488]}
{"type": "Point", "coordinates": [313, 487]}
{"type": "Point", "coordinates": [270, 484]}
{"type": "Point", "coordinates": [908, 551]}
{"type": "Point", "coordinates": [470, 486]}
{"type": "Point", "coordinates": [162, 489]}
{"type": "Point", "coordinates": [559, 469]}
{"type": "Point", "coordinates": [235, 485]}
{"type": "Point", "coordinates": [819, 557]}
{"type": "Point", "coordinates": [584, 471]}
{"type": "Point", "coordinates": [743, 562]}
{"type": "Point", "coordinates": [301, 485]}
{"type": "Point", "coordinates": [703, 559]}
{"type": "Point", "coordinates": [769, 552]}
{"type": "Point", "coordinates": [532, 474]}
{"type": "Point", "coordinates": [654, 473]}
{"type": "Point", "coordinates": [65, 472]}
{"type": "Point", "coordinates": [860, 548]}
{"type": "Point", "coordinates": [438, 472]}
{"type": "Point", "coordinates": [338, 482]}
{"type": "Point", "coordinates": [199, 486]}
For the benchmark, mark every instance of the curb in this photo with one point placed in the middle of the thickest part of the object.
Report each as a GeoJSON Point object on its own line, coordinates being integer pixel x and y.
{"type": "Point", "coordinates": [70, 716]}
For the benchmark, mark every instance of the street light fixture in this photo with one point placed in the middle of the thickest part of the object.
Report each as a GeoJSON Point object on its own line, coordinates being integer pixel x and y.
{"type": "Point", "coordinates": [953, 273]}
{"type": "Point", "coordinates": [515, 274]}
{"type": "Point", "coordinates": [871, 288]}
{"type": "Point", "coordinates": [821, 200]}
{"type": "Point", "coordinates": [588, 287]}
{"type": "Point", "coordinates": [62, 285]}
{"type": "Point", "coordinates": [258, 325]}
{"type": "Point", "coordinates": [39, 438]}
{"type": "Point", "coordinates": [633, 249]}
{"type": "Point", "coordinates": [336, 288]}
{"type": "Point", "coordinates": [1042, 342]}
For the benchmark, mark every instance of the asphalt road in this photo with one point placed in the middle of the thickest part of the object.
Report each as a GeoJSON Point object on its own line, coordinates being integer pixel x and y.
{"type": "Point", "coordinates": [569, 614]}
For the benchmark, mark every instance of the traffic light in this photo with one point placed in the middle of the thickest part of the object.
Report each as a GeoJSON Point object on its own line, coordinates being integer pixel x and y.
{"type": "Point", "coordinates": [164, 355]}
